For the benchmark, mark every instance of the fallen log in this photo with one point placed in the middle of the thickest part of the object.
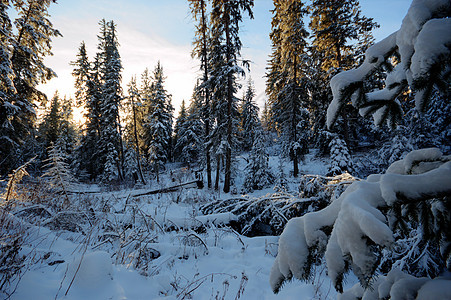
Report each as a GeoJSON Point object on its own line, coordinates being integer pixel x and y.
{"type": "Point", "coordinates": [199, 185]}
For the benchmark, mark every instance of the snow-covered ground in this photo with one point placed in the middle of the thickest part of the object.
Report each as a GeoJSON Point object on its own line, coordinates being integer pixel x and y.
{"type": "Point", "coordinates": [188, 255]}
{"type": "Point", "coordinates": [216, 264]}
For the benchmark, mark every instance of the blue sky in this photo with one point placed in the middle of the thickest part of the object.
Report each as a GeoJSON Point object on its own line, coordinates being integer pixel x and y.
{"type": "Point", "coordinates": [152, 30]}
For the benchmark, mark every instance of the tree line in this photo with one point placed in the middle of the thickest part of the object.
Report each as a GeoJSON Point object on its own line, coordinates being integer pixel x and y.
{"type": "Point", "coordinates": [133, 132]}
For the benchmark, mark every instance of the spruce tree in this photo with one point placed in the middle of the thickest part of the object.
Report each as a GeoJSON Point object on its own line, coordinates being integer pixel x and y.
{"type": "Point", "coordinates": [201, 51]}
{"type": "Point", "coordinates": [190, 132]}
{"type": "Point", "coordinates": [50, 128]}
{"type": "Point", "coordinates": [22, 67]}
{"type": "Point", "coordinates": [158, 123]}
{"type": "Point", "coordinates": [7, 109]}
{"type": "Point", "coordinates": [340, 35]}
{"type": "Point", "coordinates": [87, 95]}
{"type": "Point", "coordinates": [58, 175]}
{"type": "Point", "coordinates": [258, 172]}
{"type": "Point", "coordinates": [340, 160]}
{"type": "Point", "coordinates": [249, 121]}
{"type": "Point", "coordinates": [225, 19]}
{"type": "Point", "coordinates": [134, 104]}
{"type": "Point", "coordinates": [287, 81]}
{"type": "Point", "coordinates": [180, 126]}
{"type": "Point", "coordinates": [111, 96]}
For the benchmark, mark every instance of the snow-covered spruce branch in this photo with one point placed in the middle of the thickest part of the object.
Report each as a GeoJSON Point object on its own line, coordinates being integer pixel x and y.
{"type": "Point", "coordinates": [423, 46]}
{"type": "Point", "coordinates": [271, 212]}
{"type": "Point", "coordinates": [360, 228]}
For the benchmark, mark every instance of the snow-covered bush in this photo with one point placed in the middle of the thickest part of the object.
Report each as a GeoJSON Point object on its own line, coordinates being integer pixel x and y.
{"type": "Point", "coordinates": [258, 172]}
{"type": "Point", "coordinates": [340, 160]}
{"type": "Point", "coordinates": [58, 175]}
{"type": "Point", "coordinates": [370, 216]}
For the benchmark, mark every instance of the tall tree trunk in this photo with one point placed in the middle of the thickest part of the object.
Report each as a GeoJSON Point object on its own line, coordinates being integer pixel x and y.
{"type": "Point", "coordinates": [138, 156]}
{"type": "Point", "coordinates": [228, 165]}
{"type": "Point", "coordinates": [121, 150]}
{"type": "Point", "coordinates": [218, 168]}
{"type": "Point", "coordinates": [293, 121]}
{"type": "Point", "coordinates": [207, 92]}
{"type": "Point", "coordinates": [343, 113]}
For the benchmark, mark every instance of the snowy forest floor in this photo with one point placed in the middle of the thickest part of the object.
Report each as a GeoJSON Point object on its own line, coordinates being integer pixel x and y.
{"type": "Point", "coordinates": [112, 245]}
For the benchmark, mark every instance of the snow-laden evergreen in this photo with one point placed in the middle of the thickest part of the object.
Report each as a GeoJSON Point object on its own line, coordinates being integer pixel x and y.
{"type": "Point", "coordinates": [258, 173]}
{"type": "Point", "coordinates": [189, 146]}
{"type": "Point", "coordinates": [249, 123]}
{"type": "Point", "coordinates": [340, 160]}
{"type": "Point", "coordinates": [358, 217]}
{"type": "Point", "coordinates": [158, 123]}
{"type": "Point", "coordinates": [420, 44]}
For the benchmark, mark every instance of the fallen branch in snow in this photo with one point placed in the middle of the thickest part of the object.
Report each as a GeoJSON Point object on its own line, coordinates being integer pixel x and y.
{"type": "Point", "coordinates": [199, 185]}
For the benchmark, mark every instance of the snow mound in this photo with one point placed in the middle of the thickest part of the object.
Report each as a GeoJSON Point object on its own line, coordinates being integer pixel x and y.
{"type": "Point", "coordinates": [91, 277]}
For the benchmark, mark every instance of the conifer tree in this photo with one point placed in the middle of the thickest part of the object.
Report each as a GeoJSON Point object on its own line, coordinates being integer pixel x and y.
{"type": "Point", "coordinates": [87, 95]}
{"type": "Point", "coordinates": [158, 123]}
{"type": "Point", "coordinates": [340, 160]}
{"type": "Point", "coordinates": [341, 34]}
{"type": "Point", "coordinates": [287, 81]}
{"type": "Point", "coordinates": [50, 128]}
{"type": "Point", "coordinates": [58, 174]}
{"type": "Point", "coordinates": [22, 53]}
{"type": "Point", "coordinates": [190, 132]}
{"type": "Point", "coordinates": [144, 109]}
{"type": "Point", "coordinates": [111, 96]}
{"type": "Point", "coordinates": [225, 19]}
{"type": "Point", "coordinates": [249, 121]}
{"type": "Point", "coordinates": [201, 50]}
{"type": "Point", "coordinates": [134, 104]}
{"type": "Point", "coordinates": [7, 91]}
{"type": "Point", "coordinates": [180, 126]}
{"type": "Point", "coordinates": [258, 172]}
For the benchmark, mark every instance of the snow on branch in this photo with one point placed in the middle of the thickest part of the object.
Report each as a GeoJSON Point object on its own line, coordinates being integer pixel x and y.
{"type": "Point", "coordinates": [360, 227]}
{"type": "Point", "coordinates": [422, 45]}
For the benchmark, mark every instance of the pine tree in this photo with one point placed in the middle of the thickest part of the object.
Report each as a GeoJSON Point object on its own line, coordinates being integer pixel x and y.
{"type": "Point", "coordinates": [258, 172]}
{"type": "Point", "coordinates": [201, 50]}
{"type": "Point", "coordinates": [87, 94]}
{"type": "Point", "coordinates": [135, 104]}
{"type": "Point", "coordinates": [340, 160]}
{"type": "Point", "coordinates": [225, 19]}
{"type": "Point", "coordinates": [249, 121]}
{"type": "Point", "coordinates": [287, 82]}
{"type": "Point", "coordinates": [340, 35]}
{"type": "Point", "coordinates": [158, 123]}
{"type": "Point", "coordinates": [111, 96]}
{"type": "Point", "coordinates": [180, 127]}
{"type": "Point", "coordinates": [190, 132]}
{"type": "Point", "coordinates": [22, 53]}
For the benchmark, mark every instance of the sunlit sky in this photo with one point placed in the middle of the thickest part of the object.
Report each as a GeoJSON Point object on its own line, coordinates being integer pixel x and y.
{"type": "Point", "coordinates": [152, 30]}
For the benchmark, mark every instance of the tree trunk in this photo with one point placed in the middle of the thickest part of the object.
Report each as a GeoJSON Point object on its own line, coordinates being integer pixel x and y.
{"type": "Point", "coordinates": [228, 165]}
{"type": "Point", "coordinates": [218, 167]}
{"type": "Point", "coordinates": [343, 111]}
{"type": "Point", "coordinates": [293, 121]}
{"type": "Point", "coordinates": [138, 156]}
{"type": "Point", "coordinates": [207, 92]}
{"type": "Point", "coordinates": [121, 150]}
